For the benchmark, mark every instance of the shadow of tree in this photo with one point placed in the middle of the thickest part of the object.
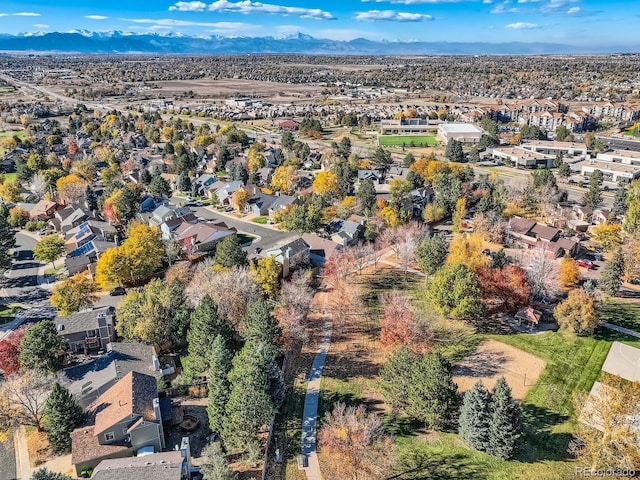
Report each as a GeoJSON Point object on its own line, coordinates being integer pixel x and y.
{"type": "Point", "coordinates": [419, 464]}
{"type": "Point", "coordinates": [539, 442]}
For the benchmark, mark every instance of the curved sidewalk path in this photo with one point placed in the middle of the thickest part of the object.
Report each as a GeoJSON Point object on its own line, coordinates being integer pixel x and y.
{"type": "Point", "coordinates": [310, 463]}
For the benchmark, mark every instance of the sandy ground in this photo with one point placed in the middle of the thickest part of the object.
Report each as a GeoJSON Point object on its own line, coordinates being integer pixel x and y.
{"type": "Point", "coordinates": [492, 360]}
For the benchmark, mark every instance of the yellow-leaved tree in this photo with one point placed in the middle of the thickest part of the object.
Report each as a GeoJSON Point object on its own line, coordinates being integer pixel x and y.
{"type": "Point", "coordinates": [607, 235]}
{"type": "Point", "coordinates": [326, 183]}
{"type": "Point", "coordinates": [467, 250]}
{"type": "Point", "coordinates": [267, 273]}
{"type": "Point", "coordinates": [71, 188]}
{"type": "Point", "coordinates": [285, 179]}
{"type": "Point", "coordinates": [74, 294]}
{"type": "Point", "coordinates": [139, 256]}
{"type": "Point", "coordinates": [256, 157]}
{"type": "Point", "coordinates": [569, 275]}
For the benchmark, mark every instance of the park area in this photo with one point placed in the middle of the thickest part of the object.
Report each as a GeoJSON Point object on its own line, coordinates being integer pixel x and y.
{"type": "Point", "coordinates": [634, 131]}
{"type": "Point", "coordinates": [407, 141]}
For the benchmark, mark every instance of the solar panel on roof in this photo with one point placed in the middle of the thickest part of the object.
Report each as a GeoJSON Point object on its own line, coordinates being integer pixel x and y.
{"type": "Point", "coordinates": [83, 250]}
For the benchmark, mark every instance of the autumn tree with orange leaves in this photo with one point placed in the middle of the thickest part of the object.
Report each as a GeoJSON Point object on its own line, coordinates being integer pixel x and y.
{"type": "Point", "coordinates": [400, 325]}
{"type": "Point", "coordinates": [504, 289]}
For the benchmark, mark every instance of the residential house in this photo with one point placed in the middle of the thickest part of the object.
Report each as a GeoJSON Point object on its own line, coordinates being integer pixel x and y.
{"type": "Point", "coordinates": [289, 125]}
{"type": "Point", "coordinates": [44, 210]}
{"type": "Point", "coordinates": [344, 232]}
{"type": "Point", "coordinates": [201, 237]}
{"type": "Point", "coordinates": [321, 249]}
{"type": "Point", "coordinates": [89, 330]}
{"type": "Point", "coordinates": [417, 199]}
{"type": "Point", "coordinates": [531, 234]}
{"type": "Point", "coordinates": [264, 175]}
{"type": "Point", "coordinates": [122, 420]}
{"type": "Point", "coordinates": [77, 264]}
{"type": "Point", "coordinates": [281, 202]}
{"type": "Point", "coordinates": [157, 466]}
{"type": "Point", "coordinates": [375, 175]}
{"type": "Point", "coordinates": [90, 238]}
{"type": "Point", "coordinates": [203, 181]}
{"type": "Point", "coordinates": [88, 380]}
{"type": "Point", "coordinates": [290, 254]}
{"type": "Point", "coordinates": [260, 203]}
{"type": "Point", "coordinates": [67, 218]}
{"type": "Point", "coordinates": [583, 213]}
{"type": "Point", "coordinates": [600, 215]}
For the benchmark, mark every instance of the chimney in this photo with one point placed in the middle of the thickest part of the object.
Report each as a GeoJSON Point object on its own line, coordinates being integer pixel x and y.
{"type": "Point", "coordinates": [156, 363]}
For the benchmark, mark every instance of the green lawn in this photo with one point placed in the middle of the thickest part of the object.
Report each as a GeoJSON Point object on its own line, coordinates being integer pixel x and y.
{"type": "Point", "coordinates": [633, 132]}
{"type": "Point", "coordinates": [261, 220]}
{"type": "Point", "coordinates": [7, 313]}
{"type": "Point", "coordinates": [408, 140]}
{"type": "Point", "coordinates": [11, 133]}
{"type": "Point", "coordinates": [624, 314]}
{"type": "Point", "coordinates": [245, 239]}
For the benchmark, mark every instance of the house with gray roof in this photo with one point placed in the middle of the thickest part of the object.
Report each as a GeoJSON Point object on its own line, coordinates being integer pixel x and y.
{"type": "Point", "coordinates": [157, 466]}
{"type": "Point", "coordinates": [344, 232]}
{"type": "Point", "coordinates": [89, 330]}
{"type": "Point", "coordinates": [281, 202]}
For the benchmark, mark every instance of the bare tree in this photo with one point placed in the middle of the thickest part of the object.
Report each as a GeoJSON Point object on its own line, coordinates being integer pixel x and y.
{"type": "Point", "coordinates": [295, 300]}
{"type": "Point", "coordinates": [39, 185]}
{"type": "Point", "coordinates": [24, 397]}
{"type": "Point", "coordinates": [361, 255]}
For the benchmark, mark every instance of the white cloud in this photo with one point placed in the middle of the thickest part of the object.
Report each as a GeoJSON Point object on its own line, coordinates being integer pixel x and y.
{"type": "Point", "coordinates": [26, 14]}
{"type": "Point", "coordinates": [392, 16]}
{"type": "Point", "coordinates": [416, 2]}
{"type": "Point", "coordinates": [96, 17]}
{"type": "Point", "coordinates": [248, 7]}
{"type": "Point", "coordinates": [522, 26]}
{"type": "Point", "coordinates": [4, 14]}
{"type": "Point", "coordinates": [41, 25]}
{"type": "Point", "coordinates": [504, 7]}
{"type": "Point", "coordinates": [574, 11]}
{"type": "Point", "coordinates": [170, 22]}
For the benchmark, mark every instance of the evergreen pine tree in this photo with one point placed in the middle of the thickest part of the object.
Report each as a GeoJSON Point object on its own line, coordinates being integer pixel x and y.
{"type": "Point", "coordinates": [395, 377]}
{"type": "Point", "coordinates": [611, 279]}
{"type": "Point", "coordinates": [62, 414]}
{"type": "Point", "coordinates": [620, 201]}
{"type": "Point", "coordinates": [473, 424]}
{"type": "Point", "coordinates": [4, 210]}
{"type": "Point", "coordinates": [205, 325]}
{"type": "Point", "coordinates": [433, 396]}
{"type": "Point", "coordinates": [505, 428]}
{"type": "Point", "coordinates": [215, 465]}
{"type": "Point", "coordinates": [90, 200]}
{"type": "Point", "coordinates": [367, 195]}
{"type": "Point", "coordinates": [46, 474]}
{"type": "Point", "coordinates": [262, 328]}
{"type": "Point", "coordinates": [219, 367]}
{"type": "Point", "coordinates": [7, 241]}
{"type": "Point", "coordinates": [145, 177]}
{"type": "Point", "coordinates": [229, 253]}
{"type": "Point", "coordinates": [250, 406]}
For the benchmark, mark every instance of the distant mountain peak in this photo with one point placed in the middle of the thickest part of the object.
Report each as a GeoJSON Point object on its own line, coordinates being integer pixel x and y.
{"type": "Point", "coordinates": [85, 41]}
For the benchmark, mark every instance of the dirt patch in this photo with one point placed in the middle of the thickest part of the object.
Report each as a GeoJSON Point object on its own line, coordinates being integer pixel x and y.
{"type": "Point", "coordinates": [492, 360]}
{"type": "Point", "coordinates": [38, 447]}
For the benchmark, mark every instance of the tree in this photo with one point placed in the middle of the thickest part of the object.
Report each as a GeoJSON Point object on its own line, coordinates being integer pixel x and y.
{"type": "Point", "coordinates": [205, 324]}
{"type": "Point", "coordinates": [448, 189]}
{"type": "Point", "coordinates": [49, 248]}
{"type": "Point", "coordinates": [219, 368]}
{"type": "Point", "coordinates": [433, 396]}
{"type": "Point", "coordinates": [41, 347]}
{"type": "Point", "coordinates": [395, 377]}
{"type": "Point", "coordinates": [256, 158]}
{"type": "Point", "coordinates": [607, 235]}
{"type": "Point", "coordinates": [10, 351]}
{"type": "Point", "coordinates": [215, 465]}
{"type": "Point", "coordinates": [593, 197]}
{"type": "Point", "coordinates": [74, 294]}
{"type": "Point", "coordinates": [18, 217]}
{"type": "Point", "coordinates": [326, 183]}
{"type": "Point", "coordinates": [183, 183]}
{"type": "Point", "coordinates": [10, 190]}
{"type": "Point", "coordinates": [229, 252]}
{"type": "Point", "coordinates": [561, 133]}
{"type": "Point", "coordinates": [454, 151]}
{"type": "Point", "coordinates": [400, 325]}
{"type": "Point", "coordinates": [367, 195]}
{"type": "Point", "coordinates": [432, 253]}
{"type": "Point", "coordinates": [382, 158]}
{"type": "Point", "coordinates": [356, 442]}
{"type": "Point", "coordinates": [619, 207]}
{"type": "Point", "coordinates": [7, 241]}
{"type": "Point", "coordinates": [504, 290]}
{"type": "Point", "coordinates": [71, 188]}
{"type": "Point", "coordinates": [46, 474]}
{"type": "Point", "coordinates": [267, 271]}
{"type": "Point", "coordinates": [159, 187]}
{"type": "Point", "coordinates": [90, 199]}
{"type": "Point", "coordinates": [156, 314]}
{"type": "Point", "coordinates": [607, 432]}
{"type": "Point", "coordinates": [467, 250]}
{"type": "Point", "coordinates": [250, 406]}
{"type": "Point", "coordinates": [475, 417]}
{"type": "Point", "coordinates": [62, 414]}
{"type": "Point", "coordinates": [454, 291]}
{"type": "Point", "coordinates": [240, 198]}
{"type": "Point", "coordinates": [569, 273]}
{"type": "Point", "coordinates": [611, 279]}
{"type": "Point", "coordinates": [632, 216]}
{"type": "Point", "coordinates": [408, 160]}
{"type": "Point", "coordinates": [139, 256]}
{"type": "Point", "coordinates": [285, 179]}
{"type": "Point", "coordinates": [287, 140]}
{"type": "Point", "coordinates": [505, 426]}
{"type": "Point", "coordinates": [261, 328]}
{"type": "Point", "coordinates": [293, 306]}
{"type": "Point", "coordinates": [24, 398]}
{"type": "Point", "coordinates": [577, 313]}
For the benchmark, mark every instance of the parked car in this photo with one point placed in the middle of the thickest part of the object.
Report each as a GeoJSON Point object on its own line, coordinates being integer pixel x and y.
{"type": "Point", "coordinates": [595, 257]}
{"type": "Point", "coordinates": [585, 264]}
{"type": "Point", "coordinates": [117, 291]}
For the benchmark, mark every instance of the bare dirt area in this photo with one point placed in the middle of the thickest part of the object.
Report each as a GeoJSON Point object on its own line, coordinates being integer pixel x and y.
{"type": "Point", "coordinates": [272, 91]}
{"type": "Point", "coordinates": [492, 360]}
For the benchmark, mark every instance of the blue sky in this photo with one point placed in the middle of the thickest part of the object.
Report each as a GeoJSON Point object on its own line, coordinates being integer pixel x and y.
{"type": "Point", "coordinates": [575, 22]}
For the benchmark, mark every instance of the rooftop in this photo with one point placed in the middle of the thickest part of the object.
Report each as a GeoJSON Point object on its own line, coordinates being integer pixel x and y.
{"type": "Point", "coordinates": [459, 128]}
{"type": "Point", "coordinates": [81, 321]}
{"type": "Point", "coordinates": [158, 466]}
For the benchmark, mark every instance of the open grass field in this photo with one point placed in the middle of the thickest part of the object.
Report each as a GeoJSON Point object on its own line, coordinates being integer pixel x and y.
{"type": "Point", "coordinates": [10, 133]}
{"type": "Point", "coordinates": [622, 312]}
{"type": "Point", "coordinates": [407, 140]}
{"type": "Point", "coordinates": [633, 131]}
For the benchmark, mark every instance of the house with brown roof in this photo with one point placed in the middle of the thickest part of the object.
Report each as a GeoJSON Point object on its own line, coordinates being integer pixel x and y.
{"type": "Point", "coordinates": [44, 210]}
{"type": "Point", "coordinates": [122, 420]}
{"type": "Point", "coordinates": [202, 236]}
{"type": "Point", "coordinates": [531, 234]}
{"type": "Point", "coordinates": [528, 316]}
